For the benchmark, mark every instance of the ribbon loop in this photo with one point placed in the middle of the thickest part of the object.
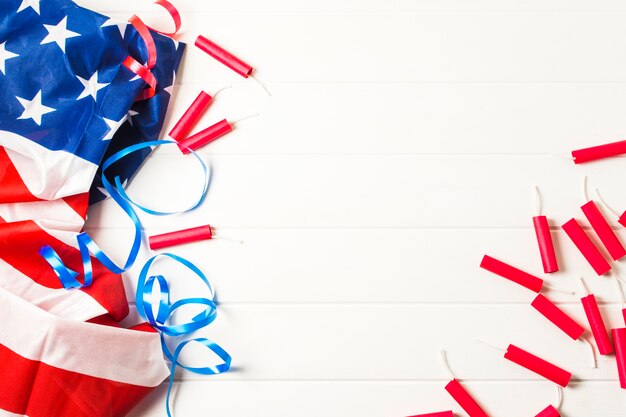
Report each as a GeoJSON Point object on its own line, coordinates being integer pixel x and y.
{"type": "Point", "coordinates": [169, 7]}
{"type": "Point", "coordinates": [65, 275]}
{"type": "Point", "coordinates": [144, 32]}
{"type": "Point", "coordinates": [87, 245]}
{"type": "Point", "coordinates": [165, 311]}
{"type": "Point", "coordinates": [145, 74]}
{"type": "Point", "coordinates": [207, 370]}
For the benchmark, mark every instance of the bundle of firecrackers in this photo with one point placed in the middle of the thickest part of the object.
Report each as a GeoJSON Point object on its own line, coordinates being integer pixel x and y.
{"type": "Point", "coordinates": [607, 342]}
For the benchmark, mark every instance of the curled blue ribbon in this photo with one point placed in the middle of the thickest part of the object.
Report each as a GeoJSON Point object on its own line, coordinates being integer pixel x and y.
{"type": "Point", "coordinates": [145, 286]}
{"type": "Point", "coordinates": [209, 370]}
{"type": "Point", "coordinates": [86, 244]}
{"type": "Point", "coordinates": [165, 309]}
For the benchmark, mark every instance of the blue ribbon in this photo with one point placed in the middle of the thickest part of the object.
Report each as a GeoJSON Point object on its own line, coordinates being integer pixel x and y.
{"type": "Point", "coordinates": [165, 309]}
{"type": "Point", "coordinates": [86, 244]}
{"type": "Point", "coordinates": [213, 370]}
{"type": "Point", "coordinates": [145, 287]}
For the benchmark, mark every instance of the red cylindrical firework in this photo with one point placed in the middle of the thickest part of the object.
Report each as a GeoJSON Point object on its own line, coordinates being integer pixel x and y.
{"type": "Point", "coordinates": [546, 246]}
{"type": "Point", "coordinates": [586, 247]}
{"type": "Point", "coordinates": [509, 272]}
{"type": "Point", "coordinates": [225, 57]}
{"type": "Point", "coordinates": [604, 231]}
{"type": "Point", "coordinates": [599, 152]}
{"type": "Point", "coordinates": [206, 136]}
{"type": "Point", "coordinates": [549, 411]}
{"type": "Point", "coordinates": [558, 317]}
{"type": "Point", "coordinates": [191, 116]}
{"type": "Point", "coordinates": [180, 237]}
{"type": "Point", "coordinates": [537, 365]}
{"type": "Point", "coordinates": [619, 338]}
{"type": "Point", "coordinates": [596, 322]}
{"type": "Point", "coordinates": [464, 399]}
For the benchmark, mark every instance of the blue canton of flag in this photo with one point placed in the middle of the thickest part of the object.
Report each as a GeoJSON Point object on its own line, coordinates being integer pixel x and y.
{"type": "Point", "coordinates": [144, 121]}
{"type": "Point", "coordinates": [62, 84]}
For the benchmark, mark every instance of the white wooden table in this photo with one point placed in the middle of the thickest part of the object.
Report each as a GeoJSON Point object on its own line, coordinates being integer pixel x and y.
{"type": "Point", "coordinates": [400, 145]}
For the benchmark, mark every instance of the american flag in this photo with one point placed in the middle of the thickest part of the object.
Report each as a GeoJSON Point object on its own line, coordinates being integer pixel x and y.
{"type": "Point", "coordinates": [66, 102]}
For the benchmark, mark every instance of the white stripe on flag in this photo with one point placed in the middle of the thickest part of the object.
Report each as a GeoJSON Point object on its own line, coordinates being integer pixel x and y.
{"type": "Point", "coordinates": [72, 305]}
{"type": "Point", "coordinates": [56, 218]}
{"type": "Point", "coordinates": [122, 355]}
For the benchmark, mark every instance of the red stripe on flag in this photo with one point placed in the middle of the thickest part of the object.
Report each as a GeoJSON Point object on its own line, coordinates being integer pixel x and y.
{"type": "Point", "coordinates": [144, 327]}
{"type": "Point", "coordinates": [79, 202]}
{"type": "Point", "coordinates": [36, 389]}
{"type": "Point", "coordinates": [13, 188]}
{"type": "Point", "coordinates": [19, 246]}
{"type": "Point", "coordinates": [105, 320]}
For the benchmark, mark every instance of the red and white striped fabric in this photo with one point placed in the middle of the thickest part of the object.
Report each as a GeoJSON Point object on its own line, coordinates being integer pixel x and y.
{"type": "Point", "coordinates": [54, 366]}
{"type": "Point", "coordinates": [43, 201]}
{"type": "Point", "coordinates": [66, 99]}
{"type": "Point", "coordinates": [62, 352]}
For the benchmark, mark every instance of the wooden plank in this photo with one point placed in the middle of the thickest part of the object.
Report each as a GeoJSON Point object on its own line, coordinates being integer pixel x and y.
{"type": "Point", "coordinates": [375, 399]}
{"type": "Point", "coordinates": [365, 265]}
{"type": "Point", "coordinates": [365, 6]}
{"type": "Point", "coordinates": [391, 118]}
{"type": "Point", "coordinates": [391, 342]}
{"type": "Point", "coordinates": [367, 191]}
{"type": "Point", "coordinates": [359, 262]}
{"type": "Point", "coordinates": [404, 47]}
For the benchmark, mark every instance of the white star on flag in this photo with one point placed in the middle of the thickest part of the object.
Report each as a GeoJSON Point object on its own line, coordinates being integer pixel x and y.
{"type": "Point", "coordinates": [130, 115]}
{"type": "Point", "coordinates": [4, 56]}
{"type": "Point", "coordinates": [33, 4]}
{"type": "Point", "coordinates": [33, 109]}
{"type": "Point", "coordinates": [92, 86]}
{"type": "Point", "coordinates": [121, 25]}
{"type": "Point", "coordinates": [113, 126]}
{"type": "Point", "coordinates": [58, 33]}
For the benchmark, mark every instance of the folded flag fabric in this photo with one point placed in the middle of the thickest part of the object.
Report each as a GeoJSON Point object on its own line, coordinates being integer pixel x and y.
{"type": "Point", "coordinates": [65, 101]}
{"type": "Point", "coordinates": [144, 120]}
{"type": "Point", "coordinates": [52, 366]}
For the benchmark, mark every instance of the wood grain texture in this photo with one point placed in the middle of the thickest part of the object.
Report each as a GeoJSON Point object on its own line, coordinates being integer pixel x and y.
{"type": "Point", "coordinates": [400, 145]}
{"type": "Point", "coordinates": [345, 342]}
{"type": "Point", "coordinates": [420, 191]}
{"type": "Point", "coordinates": [398, 118]}
{"type": "Point", "coordinates": [365, 6]}
{"type": "Point", "coordinates": [376, 399]}
{"type": "Point", "coordinates": [410, 47]}
{"type": "Point", "coordinates": [369, 265]}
